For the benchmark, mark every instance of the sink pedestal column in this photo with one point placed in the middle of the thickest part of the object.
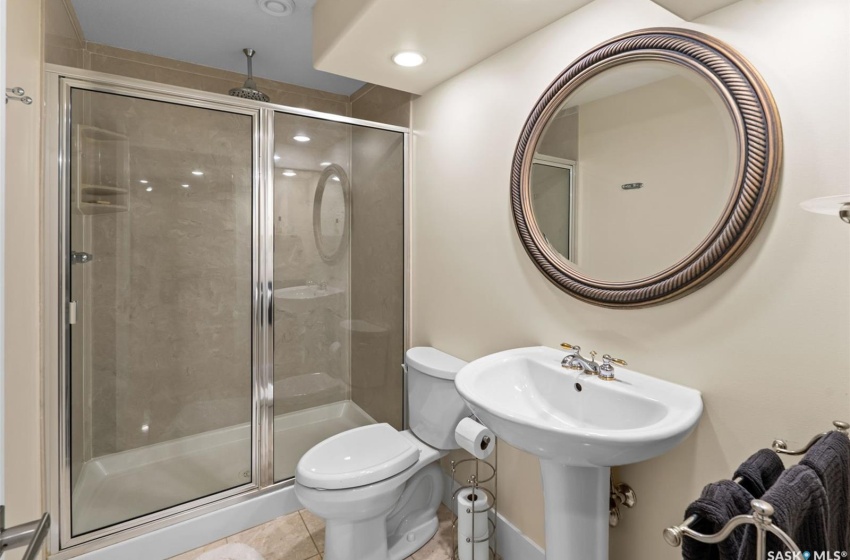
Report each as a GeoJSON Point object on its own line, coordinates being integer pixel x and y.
{"type": "Point", "coordinates": [576, 505]}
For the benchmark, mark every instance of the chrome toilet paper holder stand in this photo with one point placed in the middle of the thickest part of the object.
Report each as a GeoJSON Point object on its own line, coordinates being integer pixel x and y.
{"type": "Point", "coordinates": [481, 472]}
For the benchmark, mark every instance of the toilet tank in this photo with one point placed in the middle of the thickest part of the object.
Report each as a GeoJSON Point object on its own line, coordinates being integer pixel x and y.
{"type": "Point", "coordinates": [434, 405]}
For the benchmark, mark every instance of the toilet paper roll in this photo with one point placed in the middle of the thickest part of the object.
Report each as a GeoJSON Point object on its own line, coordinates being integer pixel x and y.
{"type": "Point", "coordinates": [472, 520]}
{"type": "Point", "coordinates": [475, 438]}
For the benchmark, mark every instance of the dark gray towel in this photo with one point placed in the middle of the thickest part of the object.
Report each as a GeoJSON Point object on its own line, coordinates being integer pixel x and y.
{"type": "Point", "coordinates": [718, 503]}
{"type": "Point", "coordinates": [799, 502]}
{"type": "Point", "coordinates": [830, 459]}
{"type": "Point", "coordinates": [760, 471]}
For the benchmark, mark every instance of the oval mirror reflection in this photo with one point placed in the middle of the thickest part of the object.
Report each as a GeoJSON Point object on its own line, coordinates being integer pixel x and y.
{"type": "Point", "coordinates": [331, 213]}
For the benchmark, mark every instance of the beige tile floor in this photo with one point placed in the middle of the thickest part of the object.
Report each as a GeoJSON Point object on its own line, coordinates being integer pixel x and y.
{"type": "Point", "coordinates": [301, 536]}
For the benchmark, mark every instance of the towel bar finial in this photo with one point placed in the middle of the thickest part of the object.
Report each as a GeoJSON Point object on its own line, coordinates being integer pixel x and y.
{"type": "Point", "coordinates": [762, 511]}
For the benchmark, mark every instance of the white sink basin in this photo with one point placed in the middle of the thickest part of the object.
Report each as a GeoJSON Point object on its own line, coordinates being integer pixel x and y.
{"type": "Point", "coordinates": [579, 426]}
{"type": "Point", "coordinates": [530, 401]}
{"type": "Point", "coordinates": [303, 298]}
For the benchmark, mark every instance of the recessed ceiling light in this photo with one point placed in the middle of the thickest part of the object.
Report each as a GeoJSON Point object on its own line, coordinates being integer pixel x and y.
{"type": "Point", "coordinates": [325, 163]}
{"type": "Point", "coordinates": [198, 173]}
{"type": "Point", "coordinates": [149, 189]}
{"type": "Point", "coordinates": [185, 186]}
{"type": "Point", "coordinates": [277, 8]}
{"type": "Point", "coordinates": [144, 182]}
{"type": "Point", "coordinates": [276, 157]}
{"type": "Point", "coordinates": [408, 59]}
{"type": "Point", "coordinates": [334, 178]}
{"type": "Point", "coordinates": [301, 138]}
{"type": "Point", "coordinates": [290, 173]}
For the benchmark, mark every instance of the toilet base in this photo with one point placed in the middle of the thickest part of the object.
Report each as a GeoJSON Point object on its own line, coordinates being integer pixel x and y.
{"type": "Point", "coordinates": [414, 539]}
{"type": "Point", "coordinates": [367, 540]}
{"type": "Point", "coordinates": [399, 523]}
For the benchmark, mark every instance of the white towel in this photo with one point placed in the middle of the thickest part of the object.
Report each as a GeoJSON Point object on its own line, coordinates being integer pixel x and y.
{"type": "Point", "coordinates": [234, 551]}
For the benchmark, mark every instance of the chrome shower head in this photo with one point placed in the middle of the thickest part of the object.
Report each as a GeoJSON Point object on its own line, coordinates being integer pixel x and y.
{"type": "Point", "coordinates": [249, 89]}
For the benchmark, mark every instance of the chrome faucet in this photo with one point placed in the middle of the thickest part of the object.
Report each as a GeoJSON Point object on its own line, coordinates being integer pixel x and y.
{"type": "Point", "coordinates": [574, 360]}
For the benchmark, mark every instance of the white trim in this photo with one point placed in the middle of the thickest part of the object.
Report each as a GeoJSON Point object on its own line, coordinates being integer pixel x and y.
{"type": "Point", "coordinates": [511, 543]}
{"type": "Point", "coordinates": [553, 161]}
{"type": "Point", "coordinates": [3, 125]}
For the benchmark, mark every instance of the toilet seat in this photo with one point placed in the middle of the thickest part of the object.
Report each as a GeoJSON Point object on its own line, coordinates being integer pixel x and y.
{"type": "Point", "coordinates": [357, 457]}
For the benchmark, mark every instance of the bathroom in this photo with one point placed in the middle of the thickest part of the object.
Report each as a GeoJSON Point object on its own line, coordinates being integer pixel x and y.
{"type": "Point", "coordinates": [765, 342]}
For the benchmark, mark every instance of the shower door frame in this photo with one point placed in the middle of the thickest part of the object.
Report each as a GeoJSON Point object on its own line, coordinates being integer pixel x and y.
{"type": "Point", "coordinates": [59, 82]}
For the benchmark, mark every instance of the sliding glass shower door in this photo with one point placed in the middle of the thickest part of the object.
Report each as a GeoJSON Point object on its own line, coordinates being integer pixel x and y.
{"type": "Point", "coordinates": [160, 279]}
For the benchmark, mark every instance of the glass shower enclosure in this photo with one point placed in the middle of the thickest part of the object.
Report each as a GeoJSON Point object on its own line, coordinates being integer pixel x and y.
{"type": "Point", "coordinates": [230, 280]}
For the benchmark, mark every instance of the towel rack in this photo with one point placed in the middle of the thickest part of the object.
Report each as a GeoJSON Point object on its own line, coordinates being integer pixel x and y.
{"type": "Point", "coordinates": [761, 515]}
{"type": "Point", "coordinates": [780, 446]}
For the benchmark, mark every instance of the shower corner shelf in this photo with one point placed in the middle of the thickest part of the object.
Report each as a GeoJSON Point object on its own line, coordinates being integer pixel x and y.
{"type": "Point", "coordinates": [102, 171]}
{"type": "Point", "coordinates": [96, 208]}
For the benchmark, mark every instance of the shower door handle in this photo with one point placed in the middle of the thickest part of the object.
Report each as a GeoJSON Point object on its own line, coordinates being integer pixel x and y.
{"type": "Point", "coordinates": [31, 534]}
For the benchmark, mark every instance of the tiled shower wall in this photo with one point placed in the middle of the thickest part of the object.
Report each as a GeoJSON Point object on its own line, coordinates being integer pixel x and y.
{"type": "Point", "coordinates": [377, 274]}
{"type": "Point", "coordinates": [377, 264]}
{"type": "Point", "coordinates": [170, 283]}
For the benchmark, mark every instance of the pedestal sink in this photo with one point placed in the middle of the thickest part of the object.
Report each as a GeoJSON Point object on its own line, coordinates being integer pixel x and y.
{"type": "Point", "coordinates": [579, 426]}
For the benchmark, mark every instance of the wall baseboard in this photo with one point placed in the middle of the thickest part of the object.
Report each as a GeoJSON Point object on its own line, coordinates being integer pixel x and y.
{"type": "Point", "coordinates": [511, 543]}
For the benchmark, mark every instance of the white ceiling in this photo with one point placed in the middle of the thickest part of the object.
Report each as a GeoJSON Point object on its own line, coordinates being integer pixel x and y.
{"type": "Point", "coordinates": [358, 37]}
{"type": "Point", "coordinates": [213, 33]}
{"type": "Point", "coordinates": [690, 10]}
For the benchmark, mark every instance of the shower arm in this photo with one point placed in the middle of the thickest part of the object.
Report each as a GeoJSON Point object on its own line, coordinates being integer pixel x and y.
{"type": "Point", "coordinates": [250, 81]}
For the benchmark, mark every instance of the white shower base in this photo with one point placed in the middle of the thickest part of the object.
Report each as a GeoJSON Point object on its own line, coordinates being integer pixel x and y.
{"type": "Point", "coordinates": [122, 486]}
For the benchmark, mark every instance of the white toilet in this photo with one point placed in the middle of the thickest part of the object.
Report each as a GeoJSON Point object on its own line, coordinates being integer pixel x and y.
{"type": "Point", "coordinates": [378, 489]}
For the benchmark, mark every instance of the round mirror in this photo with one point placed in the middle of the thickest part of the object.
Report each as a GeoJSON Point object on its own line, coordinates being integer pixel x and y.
{"type": "Point", "coordinates": [646, 168]}
{"type": "Point", "coordinates": [330, 213]}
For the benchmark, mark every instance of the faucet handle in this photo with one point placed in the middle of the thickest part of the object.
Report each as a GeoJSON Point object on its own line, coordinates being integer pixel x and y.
{"type": "Point", "coordinates": [568, 346]}
{"type": "Point", "coordinates": [607, 359]}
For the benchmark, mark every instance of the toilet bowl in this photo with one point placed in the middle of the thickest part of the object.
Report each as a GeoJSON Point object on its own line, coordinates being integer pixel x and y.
{"type": "Point", "coordinates": [378, 489]}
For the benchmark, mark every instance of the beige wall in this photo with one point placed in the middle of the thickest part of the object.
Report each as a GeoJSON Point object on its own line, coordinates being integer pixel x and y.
{"type": "Point", "coordinates": [674, 137]}
{"type": "Point", "coordinates": [22, 255]}
{"type": "Point", "coordinates": [766, 342]}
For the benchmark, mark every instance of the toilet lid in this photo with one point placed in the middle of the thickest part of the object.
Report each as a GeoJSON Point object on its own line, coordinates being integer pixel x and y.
{"type": "Point", "coordinates": [356, 458]}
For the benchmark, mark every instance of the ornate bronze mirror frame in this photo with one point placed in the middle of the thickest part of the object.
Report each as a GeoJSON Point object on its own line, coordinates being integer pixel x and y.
{"type": "Point", "coordinates": [759, 149]}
